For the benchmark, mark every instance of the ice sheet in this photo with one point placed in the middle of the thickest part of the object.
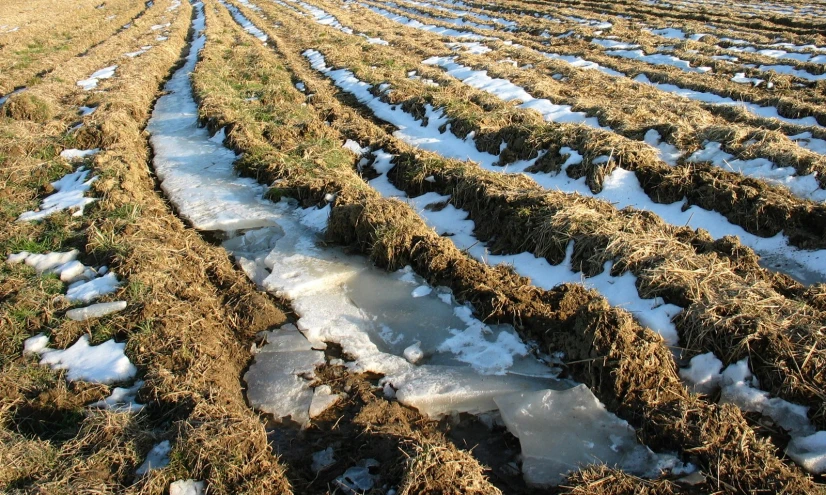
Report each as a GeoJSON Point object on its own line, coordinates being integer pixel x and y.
{"type": "Point", "coordinates": [560, 431]}
{"type": "Point", "coordinates": [197, 174]}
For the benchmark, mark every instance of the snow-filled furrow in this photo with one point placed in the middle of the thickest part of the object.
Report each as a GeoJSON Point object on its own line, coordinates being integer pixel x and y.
{"type": "Point", "coordinates": [658, 59]}
{"type": "Point", "coordinates": [812, 144]}
{"type": "Point", "coordinates": [760, 111]}
{"type": "Point", "coordinates": [621, 187]}
{"type": "Point", "coordinates": [244, 22]}
{"type": "Point", "coordinates": [507, 91]}
{"type": "Point", "coordinates": [324, 18]}
{"type": "Point", "coordinates": [805, 187]}
{"type": "Point", "coordinates": [456, 21]}
{"type": "Point", "coordinates": [413, 23]}
{"type": "Point", "coordinates": [465, 13]}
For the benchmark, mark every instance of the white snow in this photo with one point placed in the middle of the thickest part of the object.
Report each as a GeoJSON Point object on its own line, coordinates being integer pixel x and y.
{"type": "Point", "coordinates": [44, 263]}
{"type": "Point", "coordinates": [157, 458]}
{"type": "Point", "coordinates": [104, 363]}
{"type": "Point", "coordinates": [76, 154]}
{"type": "Point", "coordinates": [92, 81]}
{"type": "Point", "coordinates": [354, 147]}
{"type": "Point", "coordinates": [767, 112]}
{"type": "Point", "coordinates": [668, 152]}
{"type": "Point", "coordinates": [508, 91]}
{"type": "Point", "coordinates": [703, 373]}
{"type": "Point", "coordinates": [35, 345]}
{"type": "Point", "coordinates": [621, 188]}
{"type": "Point", "coordinates": [95, 310]}
{"type": "Point", "coordinates": [741, 78]}
{"type": "Point", "coordinates": [187, 487]}
{"type": "Point", "coordinates": [122, 399]}
{"type": "Point", "coordinates": [86, 292]}
{"type": "Point", "coordinates": [582, 63]}
{"type": "Point", "coordinates": [242, 20]}
{"type": "Point", "coordinates": [803, 186]}
{"type": "Point", "coordinates": [472, 47]}
{"type": "Point", "coordinates": [809, 452]}
{"type": "Point", "coordinates": [68, 196]}
{"type": "Point", "coordinates": [658, 59]}
{"type": "Point", "coordinates": [788, 69]}
{"type": "Point", "coordinates": [613, 44]}
{"type": "Point", "coordinates": [739, 387]}
{"type": "Point", "coordinates": [412, 23]}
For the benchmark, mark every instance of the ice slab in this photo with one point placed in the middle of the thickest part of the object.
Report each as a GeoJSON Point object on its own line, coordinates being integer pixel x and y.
{"type": "Point", "coordinates": [104, 363]}
{"type": "Point", "coordinates": [560, 431]}
{"type": "Point", "coordinates": [69, 196]}
{"type": "Point", "coordinates": [323, 459]}
{"type": "Point", "coordinates": [323, 399]}
{"type": "Point", "coordinates": [278, 381]}
{"type": "Point", "coordinates": [95, 310]}
{"type": "Point", "coordinates": [436, 391]}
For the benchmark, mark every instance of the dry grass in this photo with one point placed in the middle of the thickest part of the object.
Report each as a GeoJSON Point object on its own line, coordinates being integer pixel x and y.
{"type": "Point", "coordinates": [43, 42]}
{"type": "Point", "coordinates": [191, 315]}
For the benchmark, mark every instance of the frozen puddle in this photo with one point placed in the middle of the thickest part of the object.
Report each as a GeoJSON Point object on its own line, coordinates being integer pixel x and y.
{"type": "Point", "coordinates": [433, 354]}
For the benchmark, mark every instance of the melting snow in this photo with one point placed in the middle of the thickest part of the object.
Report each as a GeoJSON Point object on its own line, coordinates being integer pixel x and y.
{"type": "Point", "coordinates": [739, 387]}
{"type": "Point", "coordinates": [95, 310]}
{"type": "Point", "coordinates": [104, 363]}
{"type": "Point", "coordinates": [92, 82]}
{"type": "Point", "coordinates": [245, 23]}
{"type": "Point", "coordinates": [122, 399]}
{"type": "Point", "coordinates": [157, 458]}
{"type": "Point", "coordinates": [803, 186]}
{"type": "Point", "coordinates": [69, 196]}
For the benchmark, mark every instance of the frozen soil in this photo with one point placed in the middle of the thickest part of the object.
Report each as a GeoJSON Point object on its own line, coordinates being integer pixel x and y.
{"type": "Point", "coordinates": [189, 320]}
